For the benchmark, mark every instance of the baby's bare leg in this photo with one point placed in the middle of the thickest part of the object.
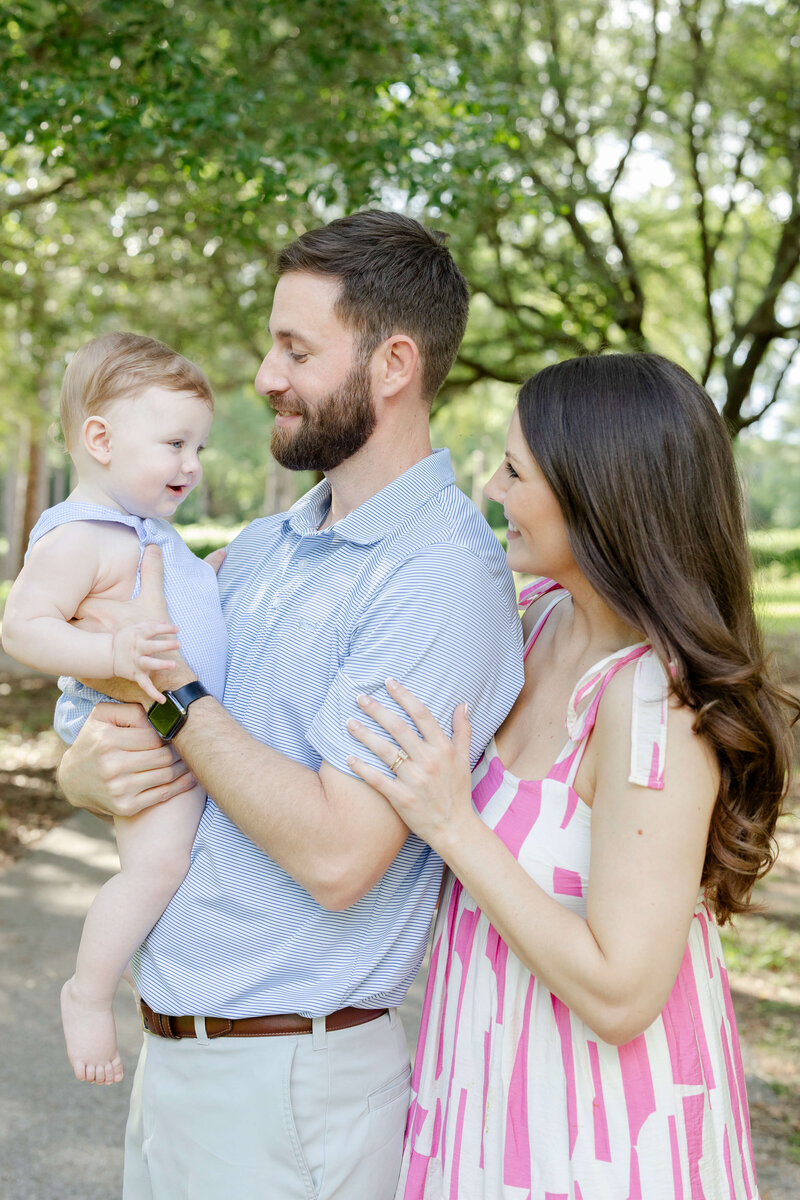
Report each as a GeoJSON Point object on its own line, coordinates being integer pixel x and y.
{"type": "Point", "coordinates": [154, 850]}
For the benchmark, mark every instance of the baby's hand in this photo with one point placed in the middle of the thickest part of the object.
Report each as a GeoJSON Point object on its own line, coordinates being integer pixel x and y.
{"type": "Point", "coordinates": [139, 649]}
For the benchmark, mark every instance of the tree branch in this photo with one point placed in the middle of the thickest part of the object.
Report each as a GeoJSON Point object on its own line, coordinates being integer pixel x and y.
{"type": "Point", "coordinates": [29, 198]}
{"type": "Point", "coordinates": [746, 422]}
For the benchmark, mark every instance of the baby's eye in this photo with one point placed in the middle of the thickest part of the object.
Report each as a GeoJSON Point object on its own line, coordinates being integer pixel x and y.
{"type": "Point", "coordinates": [177, 445]}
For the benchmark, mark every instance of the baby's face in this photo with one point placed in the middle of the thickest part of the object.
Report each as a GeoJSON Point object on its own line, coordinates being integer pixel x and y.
{"type": "Point", "coordinates": [156, 439]}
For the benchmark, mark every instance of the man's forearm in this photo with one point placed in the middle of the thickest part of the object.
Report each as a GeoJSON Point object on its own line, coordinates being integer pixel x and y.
{"type": "Point", "coordinates": [258, 788]}
{"type": "Point", "coordinates": [335, 843]}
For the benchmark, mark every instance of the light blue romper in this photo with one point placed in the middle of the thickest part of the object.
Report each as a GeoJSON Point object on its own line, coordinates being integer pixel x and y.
{"type": "Point", "coordinates": [190, 586]}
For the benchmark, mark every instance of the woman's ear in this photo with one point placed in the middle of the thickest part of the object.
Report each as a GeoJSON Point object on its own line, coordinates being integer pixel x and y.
{"type": "Point", "coordinates": [96, 434]}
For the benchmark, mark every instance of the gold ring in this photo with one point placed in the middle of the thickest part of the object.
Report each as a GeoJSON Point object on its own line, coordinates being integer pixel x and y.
{"type": "Point", "coordinates": [398, 762]}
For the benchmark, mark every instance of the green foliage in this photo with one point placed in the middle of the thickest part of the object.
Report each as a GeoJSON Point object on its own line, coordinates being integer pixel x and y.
{"type": "Point", "coordinates": [202, 539]}
{"type": "Point", "coordinates": [787, 561]}
{"type": "Point", "coordinates": [612, 175]}
{"type": "Point", "coordinates": [771, 474]}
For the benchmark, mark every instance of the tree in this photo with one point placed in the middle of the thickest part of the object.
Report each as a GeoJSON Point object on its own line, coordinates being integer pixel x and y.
{"type": "Point", "coordinates": [622, 176]}
{"type": "Point", "coordinates": [149, 179]}
{"type": "Point", "coordinates": [614, 175]}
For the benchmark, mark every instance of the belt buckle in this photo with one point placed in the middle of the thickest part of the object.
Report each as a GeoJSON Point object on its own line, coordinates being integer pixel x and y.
{"type": "Point", "coordinates": [163, 1023]}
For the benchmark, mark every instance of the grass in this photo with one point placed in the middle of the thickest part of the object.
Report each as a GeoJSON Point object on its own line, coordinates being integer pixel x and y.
{"type": "Point", "coordinates": [762, 945]}
{"type": "Point", "coordinates": [777, 599]}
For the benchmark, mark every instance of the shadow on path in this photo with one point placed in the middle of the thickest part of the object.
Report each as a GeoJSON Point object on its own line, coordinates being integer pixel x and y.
{"type": "Point", "coordinates": [59, 1139]}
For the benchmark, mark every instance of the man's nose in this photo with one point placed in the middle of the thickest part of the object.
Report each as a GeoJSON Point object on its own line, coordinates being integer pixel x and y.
{"type": "Point", "coordinates": [270, 378]}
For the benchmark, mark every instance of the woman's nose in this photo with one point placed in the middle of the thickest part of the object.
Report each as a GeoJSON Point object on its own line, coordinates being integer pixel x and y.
{"type": "Point", "coordinates": [493, 489]}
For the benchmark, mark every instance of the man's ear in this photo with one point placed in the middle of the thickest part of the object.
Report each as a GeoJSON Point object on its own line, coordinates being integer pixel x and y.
{"type": "Point", "coordinates": [96, 434]}
{"type": "Point", "coordinates": [399, 363]}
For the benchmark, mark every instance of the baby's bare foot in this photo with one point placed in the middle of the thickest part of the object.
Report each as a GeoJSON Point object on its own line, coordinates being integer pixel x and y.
{"type": "Point", "coordinates": [91, 1036]}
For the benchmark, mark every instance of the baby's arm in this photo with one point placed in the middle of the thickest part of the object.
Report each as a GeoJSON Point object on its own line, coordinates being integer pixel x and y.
{"type": "Point", "coordinates": [68, 564]}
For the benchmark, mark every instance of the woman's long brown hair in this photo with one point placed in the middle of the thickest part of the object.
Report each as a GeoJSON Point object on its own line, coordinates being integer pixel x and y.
{"type": "Point", "coordinates": [641, 466]}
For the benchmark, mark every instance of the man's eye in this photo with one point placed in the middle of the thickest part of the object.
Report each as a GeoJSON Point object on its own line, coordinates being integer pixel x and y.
{"type": "Point", "coordinates": [297, 356]}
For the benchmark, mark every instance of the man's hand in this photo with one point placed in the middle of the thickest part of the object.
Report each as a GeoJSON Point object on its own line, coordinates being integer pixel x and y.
{"type": "Point", "coordinates": [216, 558]}
{"type": "Point", "coordinates": [149, 606]}
{"type": "Point", "coordinates": [149, 609]}
{"type": "Point", "coordinates": [119, 766]}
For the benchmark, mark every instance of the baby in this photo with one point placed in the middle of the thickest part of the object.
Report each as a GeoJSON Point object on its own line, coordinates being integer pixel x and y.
{"type": "Point", "coordinates": [135, 416]}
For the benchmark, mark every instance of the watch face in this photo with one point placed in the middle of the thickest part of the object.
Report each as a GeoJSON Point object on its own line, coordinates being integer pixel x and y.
{"type": "Point", "coordinates": [167, 718]}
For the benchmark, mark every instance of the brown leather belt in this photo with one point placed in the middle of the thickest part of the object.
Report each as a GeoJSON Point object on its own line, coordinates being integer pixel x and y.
{"type": "Point", "coordinates": [277, 1025]}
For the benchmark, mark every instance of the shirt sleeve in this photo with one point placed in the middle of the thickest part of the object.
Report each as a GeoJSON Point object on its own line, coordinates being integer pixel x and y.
{"type": "Point", "coordinates": [444, 626]}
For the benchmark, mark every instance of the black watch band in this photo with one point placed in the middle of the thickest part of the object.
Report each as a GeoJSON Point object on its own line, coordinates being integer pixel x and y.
{"type": "Point", "coordinates": [168, 718]}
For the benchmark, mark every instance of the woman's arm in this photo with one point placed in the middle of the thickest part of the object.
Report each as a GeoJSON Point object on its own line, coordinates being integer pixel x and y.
{"type": "Point", "coordinates": [616, 968]}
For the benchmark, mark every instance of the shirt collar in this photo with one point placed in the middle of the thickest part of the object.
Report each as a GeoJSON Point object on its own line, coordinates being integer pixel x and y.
{"type": "Point", "coordinates": [383, 512]}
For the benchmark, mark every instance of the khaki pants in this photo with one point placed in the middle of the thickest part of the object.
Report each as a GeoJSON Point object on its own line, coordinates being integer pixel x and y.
{"type": "Point", "coordinates": [317, 1116]}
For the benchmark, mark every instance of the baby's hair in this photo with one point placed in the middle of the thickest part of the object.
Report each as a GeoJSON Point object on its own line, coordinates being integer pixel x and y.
{"type": "Point", "coordinates": [118, 366]}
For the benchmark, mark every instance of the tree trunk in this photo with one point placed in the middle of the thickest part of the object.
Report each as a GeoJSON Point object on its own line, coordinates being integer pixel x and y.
{"type": "Point", "coordinates": [34, 501]}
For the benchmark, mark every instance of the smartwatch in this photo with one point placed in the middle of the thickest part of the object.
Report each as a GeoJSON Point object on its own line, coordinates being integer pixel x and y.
{"type": "Point", "coordinates": [171, 716]}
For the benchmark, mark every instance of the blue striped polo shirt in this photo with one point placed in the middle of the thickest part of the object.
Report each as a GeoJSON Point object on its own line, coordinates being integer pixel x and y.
{"type": "Point", "coordinates": [411, 584]}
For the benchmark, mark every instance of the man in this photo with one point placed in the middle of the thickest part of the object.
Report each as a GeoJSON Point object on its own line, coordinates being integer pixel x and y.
{"type": "Point", "coordinates": [304, 915]}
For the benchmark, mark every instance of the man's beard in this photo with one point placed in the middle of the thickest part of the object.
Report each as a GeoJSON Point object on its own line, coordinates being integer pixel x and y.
{"type": "Point", "coordinates": [330, 432]}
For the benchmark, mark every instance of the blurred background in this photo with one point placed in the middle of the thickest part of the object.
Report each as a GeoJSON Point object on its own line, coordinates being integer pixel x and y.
{"type": "Point", "coordinates": [621, 175]}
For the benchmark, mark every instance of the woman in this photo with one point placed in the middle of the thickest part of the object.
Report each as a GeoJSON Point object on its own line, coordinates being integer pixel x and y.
{"type": "Point", "coordinates": [578, 1039]}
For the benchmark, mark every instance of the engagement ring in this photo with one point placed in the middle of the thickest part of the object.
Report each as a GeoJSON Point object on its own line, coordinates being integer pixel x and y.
{"type": "Point", "coordinates": [401, 758]}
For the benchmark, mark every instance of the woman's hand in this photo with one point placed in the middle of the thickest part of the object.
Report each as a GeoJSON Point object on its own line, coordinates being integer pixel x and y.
{"type": "Point", "coordinates": [431, 790]}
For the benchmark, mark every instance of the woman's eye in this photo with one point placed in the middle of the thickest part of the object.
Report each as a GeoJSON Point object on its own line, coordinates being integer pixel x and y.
{"type": "Point", "coordinates": [510, 470]}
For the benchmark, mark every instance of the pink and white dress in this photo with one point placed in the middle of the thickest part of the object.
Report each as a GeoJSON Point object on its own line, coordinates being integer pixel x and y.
{"type": "Point", "coordinates": [514, 1097]}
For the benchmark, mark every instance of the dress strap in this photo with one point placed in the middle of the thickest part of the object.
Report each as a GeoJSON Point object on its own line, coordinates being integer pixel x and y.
{"type": "Point", "coordinates": [536, 590]}
{"type": "Point", "coordinates": [649, 722]}
{"type": "Point", "coordinates": [648, 718]}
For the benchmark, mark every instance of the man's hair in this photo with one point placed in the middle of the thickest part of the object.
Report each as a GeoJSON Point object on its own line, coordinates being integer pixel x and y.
{"type": "Point", "coordinates": [396, 277]}
{"type": "Point", "coordinates": [122, 366]}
